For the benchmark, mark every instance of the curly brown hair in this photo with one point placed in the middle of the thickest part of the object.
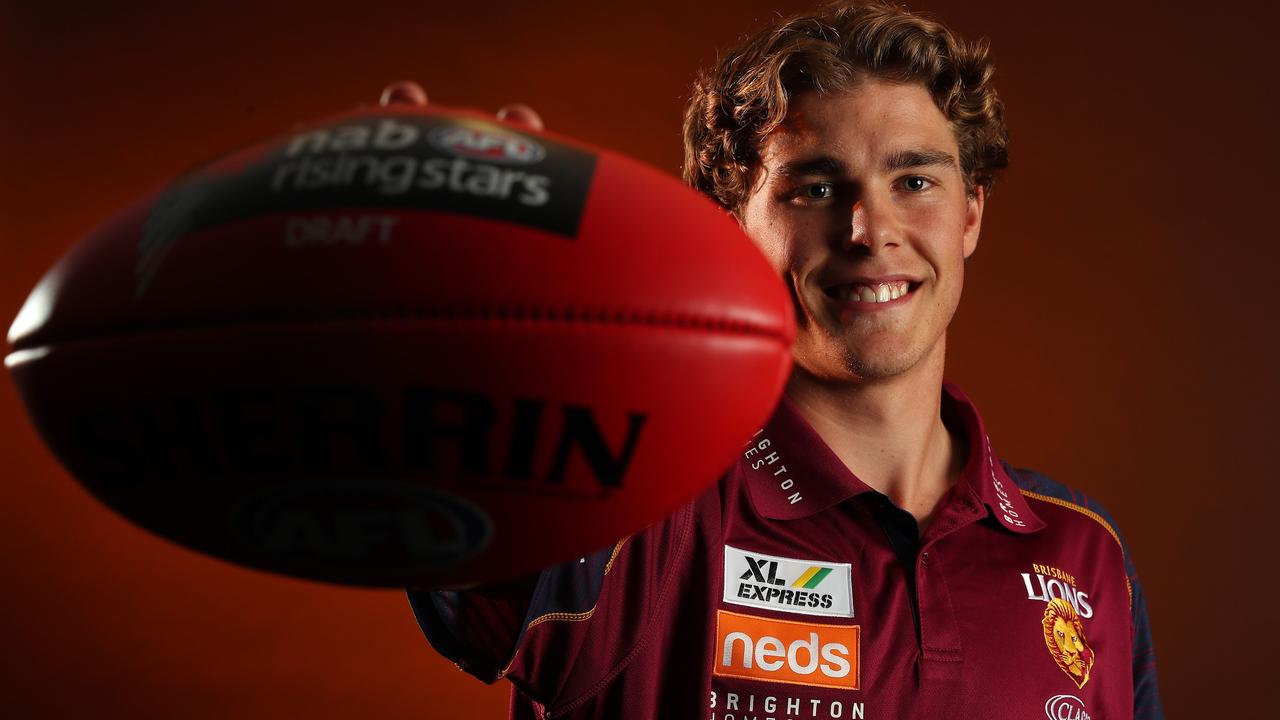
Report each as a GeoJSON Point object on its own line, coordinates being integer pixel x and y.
{"type": "Point", "coordinates": [735, 105]}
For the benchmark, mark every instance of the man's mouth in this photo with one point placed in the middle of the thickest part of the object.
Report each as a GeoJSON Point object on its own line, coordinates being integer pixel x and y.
{"type": "Point", "coordinates": [873, 293]}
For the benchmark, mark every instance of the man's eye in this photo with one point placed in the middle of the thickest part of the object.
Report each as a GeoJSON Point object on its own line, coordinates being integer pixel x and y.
{"type": "Point", "coordinates": [817, 191]}
{"type": "Point", "coordinates": [915, 183]}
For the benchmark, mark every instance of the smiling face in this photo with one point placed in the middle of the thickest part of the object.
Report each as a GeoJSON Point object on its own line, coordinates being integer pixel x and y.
{"type": "Point", "coordinates": [861, 206]}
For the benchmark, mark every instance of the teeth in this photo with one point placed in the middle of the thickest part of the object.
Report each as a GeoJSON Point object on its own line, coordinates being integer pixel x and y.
{"type": "Point", "coordinates": [882, 292]}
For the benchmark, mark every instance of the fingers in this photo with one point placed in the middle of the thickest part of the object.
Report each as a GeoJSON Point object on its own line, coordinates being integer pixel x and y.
{"type": "Point", "coordinates": [405, 92]}
{"type": "Point", "coordinates": [518, 114]}
{"type": "Point", "coordinates": [408, 92]}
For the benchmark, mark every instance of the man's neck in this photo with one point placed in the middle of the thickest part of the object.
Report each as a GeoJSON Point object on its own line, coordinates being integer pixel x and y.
{"type": "Point", "coordinates": [889, 433]}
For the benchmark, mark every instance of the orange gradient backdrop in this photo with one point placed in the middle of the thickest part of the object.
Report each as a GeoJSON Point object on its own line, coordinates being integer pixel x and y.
{"type": "Point", "coordinates": [1116, 329]}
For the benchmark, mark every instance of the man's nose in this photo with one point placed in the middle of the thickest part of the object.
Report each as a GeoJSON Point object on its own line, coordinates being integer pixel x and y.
{"type": "Point", "coordinates": [873, 224]}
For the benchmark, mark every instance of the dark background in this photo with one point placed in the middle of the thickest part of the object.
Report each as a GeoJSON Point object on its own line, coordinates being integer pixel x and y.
{"type": "Point", "coordinates": [1117, 327]}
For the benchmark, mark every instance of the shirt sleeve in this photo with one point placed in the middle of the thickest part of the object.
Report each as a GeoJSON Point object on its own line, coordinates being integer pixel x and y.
{"type": "Point", "coordinates": [481, 629]}
{"type": "Point", "coordinates": [478, 629]}
{"type": "Point", "coordinates": [1146, 691]}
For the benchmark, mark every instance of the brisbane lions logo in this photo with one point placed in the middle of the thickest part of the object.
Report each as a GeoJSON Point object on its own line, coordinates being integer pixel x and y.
{"type": "Point", "coordinates": [1064, 634]}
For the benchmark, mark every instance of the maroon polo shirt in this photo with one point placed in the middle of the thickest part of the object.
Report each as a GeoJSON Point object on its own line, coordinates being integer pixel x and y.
{"type": "Point", "coordinates": [792, 590]}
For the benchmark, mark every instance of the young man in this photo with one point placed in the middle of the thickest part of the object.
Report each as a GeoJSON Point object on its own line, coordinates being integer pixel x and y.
{"type": "Point", "coordinates": [868, 555]}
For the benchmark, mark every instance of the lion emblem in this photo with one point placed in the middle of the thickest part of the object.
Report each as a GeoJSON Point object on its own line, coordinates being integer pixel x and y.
{"type": "Point", "coordinates": [1064, 634]}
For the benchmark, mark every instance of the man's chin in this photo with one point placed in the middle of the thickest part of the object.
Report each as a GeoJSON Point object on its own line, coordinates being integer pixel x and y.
{"type": "Point", "coordinates": [877, 358]}
{"type": "Point", "coordinates": [873, 369]}
{"type": "Point", "coordinates": [841, 365]}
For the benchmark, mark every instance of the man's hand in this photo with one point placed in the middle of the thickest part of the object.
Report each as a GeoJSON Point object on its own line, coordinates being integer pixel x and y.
{"type": "Point", "coordinates": [407, 92]}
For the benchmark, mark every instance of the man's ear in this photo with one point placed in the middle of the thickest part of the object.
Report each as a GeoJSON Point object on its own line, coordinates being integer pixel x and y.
{"type": "Point", "coordinates": [973, 219]}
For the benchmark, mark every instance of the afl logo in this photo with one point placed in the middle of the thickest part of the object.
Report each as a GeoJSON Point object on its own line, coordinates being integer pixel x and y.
{"type": "Point", "coordinates": [488, 143]}
{"type": "Point", "coordinates": [375, 532]}
{"type": "Point", "coordinates": [1065, 707]}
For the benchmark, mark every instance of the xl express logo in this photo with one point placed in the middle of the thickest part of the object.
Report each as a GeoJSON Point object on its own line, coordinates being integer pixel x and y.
{"type": "Point", "coordinates": [807, 587]}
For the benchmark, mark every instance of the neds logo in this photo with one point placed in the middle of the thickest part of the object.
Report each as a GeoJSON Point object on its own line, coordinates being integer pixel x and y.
{"type": "Point", "coordinates": [488, 144]}
{"type": "Point", "coordinates": [784, 651]}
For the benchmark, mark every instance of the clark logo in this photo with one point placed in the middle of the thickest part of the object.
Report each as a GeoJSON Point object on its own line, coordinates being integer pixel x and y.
{"type": "Point", "coordinates": [1064, 636]}
{"type": "Point", "coordinates": [807, 587]}
{"type": "Point", "coordinates": [1065, 707]}
{"type": "Point", "coordinates": [800, 653]}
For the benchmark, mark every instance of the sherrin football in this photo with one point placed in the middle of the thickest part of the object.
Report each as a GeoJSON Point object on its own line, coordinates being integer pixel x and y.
{"type": "Point", "coordinates": [405, 346]}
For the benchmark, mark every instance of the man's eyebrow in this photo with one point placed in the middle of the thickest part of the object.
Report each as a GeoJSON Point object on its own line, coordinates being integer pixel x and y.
{"type": "Point", "coordinates": [904, 159]}
{"type": "Point", "coordinates": [824, 165]}
{"type": "Point", "coordinates": [829, 166]}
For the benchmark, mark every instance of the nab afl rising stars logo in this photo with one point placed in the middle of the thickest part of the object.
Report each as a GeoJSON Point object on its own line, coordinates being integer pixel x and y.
{"type": "Point", "coordinates": [1064, 635]}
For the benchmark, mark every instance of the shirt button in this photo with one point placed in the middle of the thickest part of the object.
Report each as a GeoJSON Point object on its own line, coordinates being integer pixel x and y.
{"type": "Point", "coordinates": [924, 558]}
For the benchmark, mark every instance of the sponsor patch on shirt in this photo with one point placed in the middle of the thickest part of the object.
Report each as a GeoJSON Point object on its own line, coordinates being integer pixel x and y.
{"type": "Point", "coordinates": [807, 587]}
{"type": "Point", "coordinates": [1065, 707]}
{"type": "Point", "coordinates": [786, 651]}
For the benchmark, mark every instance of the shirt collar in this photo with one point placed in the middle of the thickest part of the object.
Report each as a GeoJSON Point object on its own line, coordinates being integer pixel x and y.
{"type": "Point", "coordinates": [984, 475]}
{"type": "Point", "coordinates": [792, 473]}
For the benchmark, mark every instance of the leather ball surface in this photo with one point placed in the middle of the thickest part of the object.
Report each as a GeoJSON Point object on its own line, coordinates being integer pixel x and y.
{"type": "Point", "coordinates": [405, 346]}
